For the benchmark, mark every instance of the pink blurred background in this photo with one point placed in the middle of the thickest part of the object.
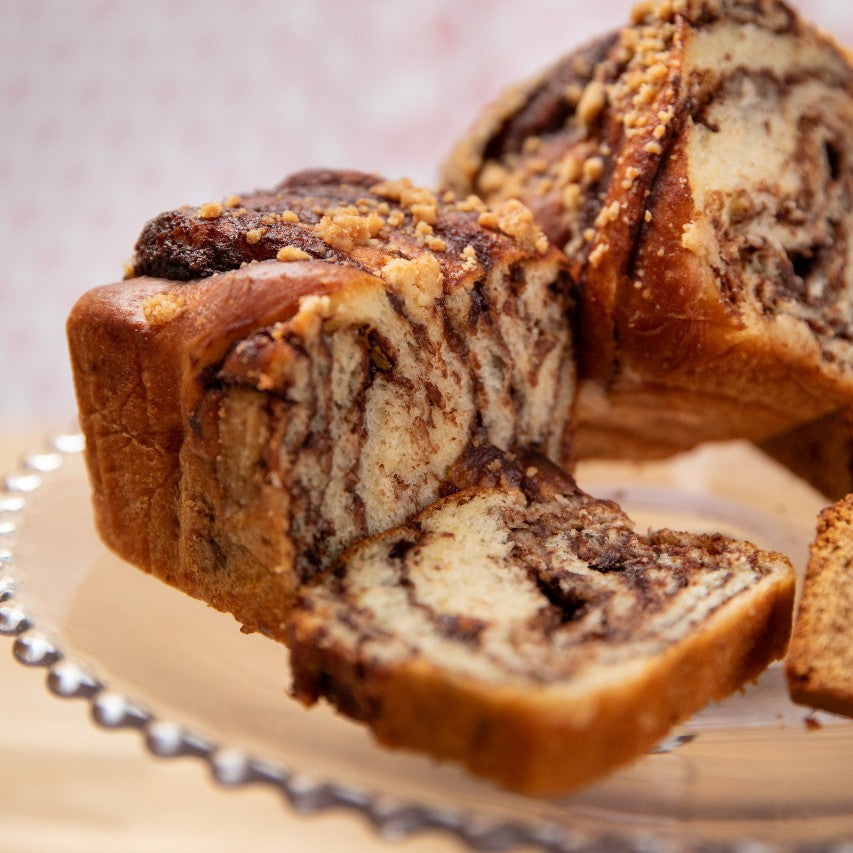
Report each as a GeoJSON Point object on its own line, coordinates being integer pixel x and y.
{"type": "Point", "coordinates": [113, 111]}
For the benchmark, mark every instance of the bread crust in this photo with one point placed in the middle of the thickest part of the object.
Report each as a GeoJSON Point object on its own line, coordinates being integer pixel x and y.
{"type": "Point", "coordinates": [819, 665]}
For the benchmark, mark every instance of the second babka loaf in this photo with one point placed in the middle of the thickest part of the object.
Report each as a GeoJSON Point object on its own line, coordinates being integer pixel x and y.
{"type": "Point", "coordinates": [696, 167]}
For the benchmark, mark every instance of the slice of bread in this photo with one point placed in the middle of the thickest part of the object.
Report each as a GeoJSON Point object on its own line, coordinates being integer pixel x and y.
{"type": "Point", "coordinates": [697, 168]}
{"type": "Point", "coordinates": [317, 359]}
{"type": "Point", "coordinates": [524, 629]}
{"type": "Point", "coordinates": [819, 665]}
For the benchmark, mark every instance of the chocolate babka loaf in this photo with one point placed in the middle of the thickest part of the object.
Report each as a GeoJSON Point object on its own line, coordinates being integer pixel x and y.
{"type": "Point", "coordinates": [286, 372]}
{"type": "Point", "coordinates": [819, 665]}
{"type": "Point", "coordinates": [524, 629]}
{"type": "Point", "coordinates": [696, 167]}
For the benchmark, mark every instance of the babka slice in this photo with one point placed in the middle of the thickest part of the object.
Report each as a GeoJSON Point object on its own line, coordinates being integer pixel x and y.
{"type": "Point", "coordinates": [524, 629]}
{"type": "Point", "coordinates": [819, 665]}
{"type": "Point", "coordinates": [289, 371]}
{"type": "Point", "coordinates": [697, 169]}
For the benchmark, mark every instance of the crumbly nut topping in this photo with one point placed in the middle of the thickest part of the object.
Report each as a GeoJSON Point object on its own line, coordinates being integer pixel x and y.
{"type": "Point", "coordinates": [593, 169]}
{"type": "Point", "coordinates": [163, 307]}
{"type": "Point", "coordinates": [647, 11]}
{"type": "Point", "coordinates": [420, 278]}
{"type": "Point", "coordinates": [210, 210]}
{"type": "Point", "coordinates": [345, 228]}
{"type": "Point", "coordinates": [469, 255]}
{"type": "Point", "coordinates": [597, 254]}
{"type": "Point", "coordinates": [292, 253]}
{"type": "Point", "coordinates": [514, 219]}
{"type": "Point", "coordinates": [592, 102]}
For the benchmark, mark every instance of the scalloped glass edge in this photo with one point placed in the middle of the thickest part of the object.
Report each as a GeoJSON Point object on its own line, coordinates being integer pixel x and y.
{"type": "Point", "coordinates": [230, 767]}
{"type": "Point", "coordinates": [233, 768]}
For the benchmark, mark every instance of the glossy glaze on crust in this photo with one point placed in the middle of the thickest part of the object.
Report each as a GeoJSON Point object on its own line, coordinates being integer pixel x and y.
{"type": "Point", "coordinates": [701, 188]}
{"type": "Point", "coordinates": [398, 329]}
{"type": "Point", "coordinates": [558, 632]}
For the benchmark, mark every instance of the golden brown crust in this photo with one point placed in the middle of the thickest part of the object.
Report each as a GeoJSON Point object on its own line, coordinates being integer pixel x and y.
{"type": "Point", "coordinates": [715, 292]}
{"type": "Point", "coordinates": [231, 420]}
{"type": "Point", "coordinates": [387, 642]}
{"type": "Point", "coordinates": [140, 353]}
{"type": "Point", "coordinates": [545, 745]}
{"type": "Point", "coordinates": [819, 665]}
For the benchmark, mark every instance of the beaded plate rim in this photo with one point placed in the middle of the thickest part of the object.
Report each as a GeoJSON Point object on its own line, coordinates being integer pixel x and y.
{"type": "Point", "coordinates": [233, 768]}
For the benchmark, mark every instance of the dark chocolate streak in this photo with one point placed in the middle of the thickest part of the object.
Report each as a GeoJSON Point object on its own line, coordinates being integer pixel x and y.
{"type": "Point", "coordinates": [547, 107]}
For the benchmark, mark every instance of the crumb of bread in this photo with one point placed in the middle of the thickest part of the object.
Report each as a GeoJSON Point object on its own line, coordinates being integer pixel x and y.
{"type": "Point", "coordinates": [420, 278]}
{"type": "Point", "coordinates": [597, 254]}
{"type": "Point", "coordinates": [163, 308]}
{"type": "Point", "coordinates": [515, 219]}
{"type": "Point", "coordinates": [572, 196]}
{"type": "Point", "coordinates": [292, 253]}
{"type": "Point", "coordinates": [469, 256]}
{"type": "Point", "coordinates": [254, 235]}
{"type": "Point", "coordinates": [128, 270]}
{"type": "Point", "coordinates": [232, 201]}
{"type": "Point", "coordinates": [210, 210]}
{"type": "Point", "coordinates": [631, 175]}
{"type": "Point", "coordinates": [472, 202]}
{"type": "Point", "coordinates": [396, 218]}
{"type": "Point", "coordinates": [344, 228]}
{"type": "Point", "coordinates": [593, 169]}
{"type": "Point", "coordinates": [592, 102]}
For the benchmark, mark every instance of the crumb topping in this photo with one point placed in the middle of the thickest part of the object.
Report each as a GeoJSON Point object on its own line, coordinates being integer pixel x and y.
{"type": "Point", "coordinates": [515, 220]}
{"type": "Point", "coordinates": [346, 218]}
{"type": "Point", "coordinates": [163, 307]}
{"type": "Point", "coordinates": [210, 210]}
{"type": "Point", "coordinates": [420, 278]}
{"type": "Point", "coordinates": [292, 253]}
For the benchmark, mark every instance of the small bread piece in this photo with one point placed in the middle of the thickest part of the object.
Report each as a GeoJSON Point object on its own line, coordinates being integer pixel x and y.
{"type": "Point", "coordinates": [526, 631]}
{"type": "Point", "coordinates": [819, 665]}
{"type": "Point", "coordinates": [697, 169]}
{"type": "Point", "coordinates": [245, 425]}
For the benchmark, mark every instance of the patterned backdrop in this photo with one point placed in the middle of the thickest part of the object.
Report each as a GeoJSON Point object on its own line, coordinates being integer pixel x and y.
{"type": "Point", "coordinates": [112, 111]}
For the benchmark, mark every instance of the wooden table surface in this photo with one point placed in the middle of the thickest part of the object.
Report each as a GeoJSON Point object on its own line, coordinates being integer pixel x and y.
{"type": "Point", "coordinates": [66, 785]}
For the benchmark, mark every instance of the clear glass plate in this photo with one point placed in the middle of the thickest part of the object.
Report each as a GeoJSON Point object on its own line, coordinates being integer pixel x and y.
{"type": "Point", "coordinates": [753, 768]}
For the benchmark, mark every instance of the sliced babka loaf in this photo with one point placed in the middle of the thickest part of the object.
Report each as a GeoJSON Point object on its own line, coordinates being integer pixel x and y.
{"type": "Point", "coordinates": [697, 169]}
{"type": "Point", "coordinates": [289, 371]}
{"type": "Point", "coordinates": [819, 665]}
{"type": "Point", "coordinates": [524, 629]}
